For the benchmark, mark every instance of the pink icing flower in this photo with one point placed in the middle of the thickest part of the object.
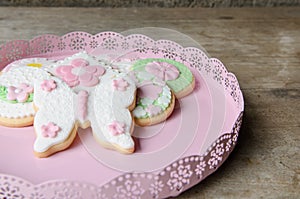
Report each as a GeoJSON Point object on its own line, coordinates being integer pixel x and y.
{"type": "Point", "coordinates": [153, 110]}
{"type": "Point", "coordinates": [50, 130]}
{"type": "Point", "coordinates": [120, 84]}
{"type": "Point", "coordinates": [116, 128]}
{"type": "Point", "coordinates": [149, 90]}
{"type": "Point", "coordinates": [48, 85]}
{"type": "Point", "coordinates": [80, 72]}
{"type": "Point", "coordinates": [162, 70]}
{"type": "Point", "coordinates": [20, 93]}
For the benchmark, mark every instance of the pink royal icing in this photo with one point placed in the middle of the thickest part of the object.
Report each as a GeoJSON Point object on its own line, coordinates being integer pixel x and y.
{"type": "Point", "coordinates": [48, 85]}
{"type": "Point", "coordinates": [153, 110]}
{"type": "Point", "coordinates": [132, 75]}
{"type": "Point", "coordinates": [162, 70]}
{"type": "Point", "coordinates": [116, 128]}
{"type": "Point", "coordinates": [82, 104]}
{"type": "Point", "coordinates": [80, 72]}
{"type": "Point", "coordinates": [20, 93]}
{"type": "Point", "coordinates": [150, 91]}
{"type": "Point", "coordinates": [50, 130]}
{"type": "Point", "coordinates": [120, 84]}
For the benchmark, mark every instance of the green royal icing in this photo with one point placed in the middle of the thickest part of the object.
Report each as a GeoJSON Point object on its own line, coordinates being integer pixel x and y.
{"type": "Point", "coordinates": [185, 78]}
{"type": "Point", "coordinates": [3, 96]}
{"type": "Point", "coordinates": [155, 102]}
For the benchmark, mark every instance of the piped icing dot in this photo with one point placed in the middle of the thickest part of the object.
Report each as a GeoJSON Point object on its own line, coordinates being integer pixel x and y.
{"type": "Point", "coordinates": [116, 128]}
{"type": "Point", "coordinates": [162, 70]}
{"type": "Point", "coordinates": [20, 93]}
{"type": "Point", "coordinates": [80, 72]}
{"type": "Point", "coordinates": [48, 85]}
{"type": "Point", "coordinates": [50, 130]}
{"type": "Point", "coordinates": [120, 84]}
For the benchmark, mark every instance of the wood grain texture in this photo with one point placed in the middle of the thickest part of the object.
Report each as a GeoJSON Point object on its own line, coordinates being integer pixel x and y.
{"type": "Point", "coordinates": [152, 3]}
{"type": "Point", "coordinates": [260, 45]}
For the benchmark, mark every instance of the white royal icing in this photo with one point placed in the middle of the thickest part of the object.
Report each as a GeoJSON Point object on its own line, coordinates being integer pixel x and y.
{"type": "Point", "coordinates": [56, 107]}
{"type": "Point", "coordinates": [111, 105]}
{"type": "Point", "coordinates": [139, 112]}
{"type": "Point", "coordinates": [29, 62]}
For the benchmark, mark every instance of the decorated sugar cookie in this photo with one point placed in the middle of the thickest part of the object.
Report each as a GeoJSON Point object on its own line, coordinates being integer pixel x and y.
{"type": "Point", "coordinates": [16, 95]}
{"type": "Point", "coordinates": [83, 94]}
{"type": "Point", "coordinates": [29, 62]}
{"type": "Point", "coordinates": [159, 82]}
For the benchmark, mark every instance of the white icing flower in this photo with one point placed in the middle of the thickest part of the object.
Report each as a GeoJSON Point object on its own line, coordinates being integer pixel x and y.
{"type": "Point", "coordinates": [166, 91]}
{"type": "Point", "coordinates": [139, 112]}
{"type": "Point", "coordinates": [30, 62]}
{"type": "Point", "coordinates": [164, 100]}
{"type": "Point", "coordinates": [146, 101]}
{"type": "Point", "coordinates": [144, 76]}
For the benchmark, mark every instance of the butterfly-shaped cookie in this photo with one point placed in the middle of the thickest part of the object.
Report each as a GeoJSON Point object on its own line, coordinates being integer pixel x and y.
{"type": "Point", "coordinates": [105, 108]}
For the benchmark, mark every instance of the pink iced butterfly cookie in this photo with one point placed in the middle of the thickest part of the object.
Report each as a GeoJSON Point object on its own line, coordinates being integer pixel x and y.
{"type": "Point", "coordinates": [83, 94]}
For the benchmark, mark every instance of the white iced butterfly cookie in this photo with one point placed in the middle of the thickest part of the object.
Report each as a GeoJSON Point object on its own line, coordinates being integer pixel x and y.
{"type": "Point", "coordinates": [89, 95]}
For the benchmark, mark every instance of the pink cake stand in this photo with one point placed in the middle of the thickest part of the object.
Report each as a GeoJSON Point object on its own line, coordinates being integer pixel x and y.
{"type": "Point", "coordinates": [170, 157]}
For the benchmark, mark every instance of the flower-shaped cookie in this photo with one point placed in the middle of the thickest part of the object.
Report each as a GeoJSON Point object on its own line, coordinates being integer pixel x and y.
{"type": "Point", "coordinates": [159, 81]}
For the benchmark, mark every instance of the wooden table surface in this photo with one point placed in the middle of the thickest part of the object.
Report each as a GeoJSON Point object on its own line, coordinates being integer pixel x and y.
{"type": "Point", "coordinates": [260, 45]}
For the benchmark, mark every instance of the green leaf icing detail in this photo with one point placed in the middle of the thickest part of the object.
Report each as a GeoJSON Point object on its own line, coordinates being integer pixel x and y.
{"type": "Point", "coordinates": [3, 96]}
